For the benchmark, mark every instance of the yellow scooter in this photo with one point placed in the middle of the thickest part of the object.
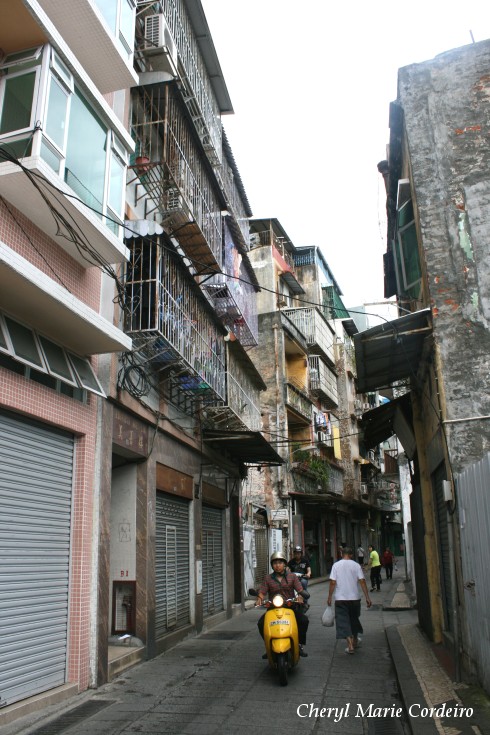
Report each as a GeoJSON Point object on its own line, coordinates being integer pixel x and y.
{"type": "Point", "coordinates": [281, 636]}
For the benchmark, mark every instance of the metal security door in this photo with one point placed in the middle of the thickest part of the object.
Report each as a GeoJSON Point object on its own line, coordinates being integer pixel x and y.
{"type": "Point", "coordinates": [212, 560]}
{"type": "Point", "coordinates": [172, 577]}
{"type": "Point", "coordinates": [36, 471]}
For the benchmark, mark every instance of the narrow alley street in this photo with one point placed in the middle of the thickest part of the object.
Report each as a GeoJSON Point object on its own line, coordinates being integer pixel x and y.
{"type": "Point", "coordinates": [218, 683]}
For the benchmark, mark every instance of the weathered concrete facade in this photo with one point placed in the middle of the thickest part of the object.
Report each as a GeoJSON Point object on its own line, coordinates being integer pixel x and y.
{"type": "Point", "coordinates": [437, 265]}
{"type": "Point", "coordinates": [447, 118]}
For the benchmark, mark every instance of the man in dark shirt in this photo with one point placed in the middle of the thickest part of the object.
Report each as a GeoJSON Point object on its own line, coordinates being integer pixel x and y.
{"type": "Point", "coordinates": [300, 564]}
{"type": "Point", "coordinates": [285, 584]}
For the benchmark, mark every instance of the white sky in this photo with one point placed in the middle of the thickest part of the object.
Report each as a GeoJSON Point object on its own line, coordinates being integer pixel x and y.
{"type": "Point", "coordinates": [311, 82]}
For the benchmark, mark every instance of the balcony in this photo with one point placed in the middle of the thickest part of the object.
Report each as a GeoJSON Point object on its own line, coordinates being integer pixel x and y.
{"type": "Point", "coordinates": [314, 480]}
{"type": "Point", "coordinates": [37, 300]}
{"type": "Point", "coordinates": [241, 410]}
{"type": "Point", "coordinates": [323, 381]}
{"type": "Point", "coordinates": [235, 305]}
{"type": "Point", "coordinates": [197, 68]}
{"type": "Point", "coordinates": [315, 329]}
{"type": "Point", "coordinates": [172, 180]}
{"type": "Point", "coordinates": [60, 163]}
{"type": "Point", "coordinates": [280, 252]}
{"type": "Point", "coordinates": [109, 28]}
{"type": "Point", "coordinates": [171, 324]}
{"type": "Point", "coordinates": [297, 400]}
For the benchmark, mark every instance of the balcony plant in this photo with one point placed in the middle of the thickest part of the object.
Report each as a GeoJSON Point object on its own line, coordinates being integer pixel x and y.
{"type": "Point", "coordinates": [312, 465]}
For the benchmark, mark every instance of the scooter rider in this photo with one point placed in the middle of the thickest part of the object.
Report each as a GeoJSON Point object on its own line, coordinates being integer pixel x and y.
{"type": "Point", "coordinates": [283, 583]}
{"type": "Point", "coordinates": [300, 564]}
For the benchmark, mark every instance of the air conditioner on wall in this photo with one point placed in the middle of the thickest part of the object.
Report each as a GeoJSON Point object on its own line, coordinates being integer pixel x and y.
{"type": "Point", "coordinates": [159, 44]}
{"type": "Point", "coordinates": [321, 436]}
{"type": "Point", "coordinates": [364, 489]}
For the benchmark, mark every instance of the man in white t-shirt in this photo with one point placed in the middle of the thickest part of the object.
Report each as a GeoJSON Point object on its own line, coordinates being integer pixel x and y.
{"type": "Point", "coordinates": [345, 577]}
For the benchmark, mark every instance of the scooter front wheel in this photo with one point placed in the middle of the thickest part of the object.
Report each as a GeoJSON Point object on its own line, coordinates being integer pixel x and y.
{"type": "Point", "coordinates": [282, 668]}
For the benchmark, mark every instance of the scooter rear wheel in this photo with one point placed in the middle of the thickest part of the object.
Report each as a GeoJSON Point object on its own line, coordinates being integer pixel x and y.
{"type": "Point", "coordinates": [282, 668]}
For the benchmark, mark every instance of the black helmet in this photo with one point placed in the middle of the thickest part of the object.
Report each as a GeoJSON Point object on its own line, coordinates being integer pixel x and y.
{"type": "Point", "coordinates": [278, 555]}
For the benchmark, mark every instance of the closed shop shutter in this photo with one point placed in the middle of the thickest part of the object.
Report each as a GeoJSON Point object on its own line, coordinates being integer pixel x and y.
{"type": "Point", "coordinates": [172, 576]}
{"type": "Point", "coordinates": [212, 560]}
{"type": "Point", "coordinates": [36, 470]}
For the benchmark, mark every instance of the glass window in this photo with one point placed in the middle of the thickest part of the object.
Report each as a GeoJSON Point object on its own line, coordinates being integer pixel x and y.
{"type": "Point", "coordinates": [116, 185]}
{"type": "Point", "coordinates": [85, 374]}
{"type": "Point", "coordinates": [24, 343]}
{"type": "Point", "coordinates": [57, 113]}
{"type": "Point", "coordinates": [22, 57]}
{"type": "Point", "coordinates": [86, 154]}
{"type": "Point", "coordinates": [3, 339]}
{"type": "Point", "coordinates": [126, 30]}
{"type": "Point", "coordinates": [62, 70]}
{"type": "Point", "coordinates": [108, 8]}
{"type": "Point", "coordinates": [49, 156]}
{"type": "Point", "coordinates": [17, 102]}
{"type": "Point", "coordinates": [57, 360]}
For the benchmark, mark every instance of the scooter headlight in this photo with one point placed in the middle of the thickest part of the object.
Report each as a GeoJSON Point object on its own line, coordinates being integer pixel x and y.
{"type": "Point", "coordinates": [278, 601]}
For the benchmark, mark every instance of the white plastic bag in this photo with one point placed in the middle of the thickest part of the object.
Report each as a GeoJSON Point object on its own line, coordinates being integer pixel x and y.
{"type": "Point", "coordinates": [328, 617]}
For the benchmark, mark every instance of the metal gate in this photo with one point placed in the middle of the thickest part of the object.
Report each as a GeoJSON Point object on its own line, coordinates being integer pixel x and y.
{"type": "Point", "coordinates": [172, 576]}
{"type": "Point", "coordinates": [36, 472]}
{"type": "Point", "coordinates": [474, 521]}
{"type": "Point", "coordinates": [212, 560]}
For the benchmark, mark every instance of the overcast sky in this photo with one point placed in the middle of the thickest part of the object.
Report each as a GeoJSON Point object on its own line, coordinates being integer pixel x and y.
{"type": "Point", "coordinates": [311, 82]}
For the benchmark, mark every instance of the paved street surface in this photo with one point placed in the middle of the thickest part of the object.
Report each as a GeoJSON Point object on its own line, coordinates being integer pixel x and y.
{"type": "Point", "coordinates": [218, 684]}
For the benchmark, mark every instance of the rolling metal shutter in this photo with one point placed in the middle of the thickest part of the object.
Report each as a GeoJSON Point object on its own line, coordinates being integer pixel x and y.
{"type": "Point", "coordinates": [212, 560]}
{"type": "Point", "coordinates": [172, 576]}
{"type": "Point", "coordinates": [36, 470]}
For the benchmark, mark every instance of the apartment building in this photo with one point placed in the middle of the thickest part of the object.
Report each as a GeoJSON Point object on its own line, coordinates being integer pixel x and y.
{"type": "Point", "coordinates": [320, 497]}
{"type": "Point", "coordinates": [435, 355]}
{"type": "Point", "coordinates": [129, 404]}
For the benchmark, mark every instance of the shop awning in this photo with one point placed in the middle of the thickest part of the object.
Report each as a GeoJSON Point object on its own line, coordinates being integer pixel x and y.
{"type": "Point", "coordinates": [394, 417]}
{"type": "Point", "coordinates": [249, 447]}
{"type": "Point", "coordinates": [391, 351]}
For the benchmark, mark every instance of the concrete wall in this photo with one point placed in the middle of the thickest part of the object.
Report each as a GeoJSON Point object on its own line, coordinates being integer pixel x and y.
{"type": "Point", "coordinates": [447, 117]}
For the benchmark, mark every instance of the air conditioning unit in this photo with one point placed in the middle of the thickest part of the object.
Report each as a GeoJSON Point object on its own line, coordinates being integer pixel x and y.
{"type": "Point", "coordinates": [322, 436]}
{"type": "Point", "coordinates": [364, 489]}
{"type": "Point", "coordinates": [159, 44]}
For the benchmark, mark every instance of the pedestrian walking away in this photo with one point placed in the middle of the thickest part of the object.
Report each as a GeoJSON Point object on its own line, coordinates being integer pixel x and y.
{"type": "Point", "coordinates": [345, 577]}
{"type": "Point", "coordinates": [360, 555]}
{"type": "Point", "coordinates": [375, 567]}
{"type": "Point", "coordinates": [387, 562]}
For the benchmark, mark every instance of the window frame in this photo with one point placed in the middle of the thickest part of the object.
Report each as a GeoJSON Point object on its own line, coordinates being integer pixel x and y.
{"type": "Point", "coordinates": [76, 381]}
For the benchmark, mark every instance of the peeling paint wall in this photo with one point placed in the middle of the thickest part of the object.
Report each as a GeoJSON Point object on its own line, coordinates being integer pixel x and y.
{"type": "Point", "coordinates": [446, 104]}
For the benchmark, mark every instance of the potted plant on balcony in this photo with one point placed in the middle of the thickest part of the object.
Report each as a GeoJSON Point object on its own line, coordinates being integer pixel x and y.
{"type": "Point", "coordinates": [142, 159]}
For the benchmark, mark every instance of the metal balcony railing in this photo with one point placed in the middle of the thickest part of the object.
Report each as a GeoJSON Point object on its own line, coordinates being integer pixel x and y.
{"type": "Point", "coordinates": [295, 398]}
{"type": "Point", "coordinates": [269, 237]}
{"type": "Point", "coordinates": [315, 328]}
{"type": "Point", "coordinates": [244, 401]}
{"type": "Point", "coordinates": [235, 305]}
{"type": "Point", "coordinates": [194, 78]}
{"type": "Point", "coordinates": [169, 323]}
{"type": "Point", "coordinates": [172, 178]}
{"type": "Point", "coordinates": [323, 381]}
